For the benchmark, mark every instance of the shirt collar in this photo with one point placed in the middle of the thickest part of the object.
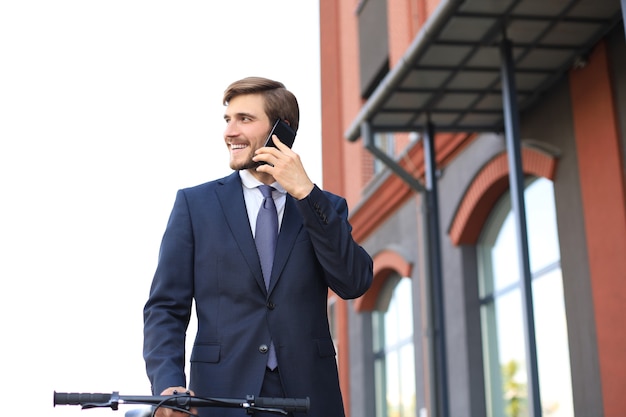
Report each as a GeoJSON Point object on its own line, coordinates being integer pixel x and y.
{"type": "Point", "coordinates": [248, 181]}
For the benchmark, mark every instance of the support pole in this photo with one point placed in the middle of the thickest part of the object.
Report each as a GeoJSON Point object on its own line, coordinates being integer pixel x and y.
{"type": "Point", "coordinates": [432, 258]}
{"type": "Point", "coordinates": [624, 14]}
{"type": "Point", "coordinates": [516, 179]}
{"type": "Point", "coordinates": [368, 140]}
{"type": "Point", "coordinates": [436, 276]}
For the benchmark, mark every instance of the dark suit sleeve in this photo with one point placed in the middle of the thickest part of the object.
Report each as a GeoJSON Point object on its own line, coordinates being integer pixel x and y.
{"type": "Point", "coordinates": [168, 309]}
{"type": "Point", "coordinates": [347, 266]}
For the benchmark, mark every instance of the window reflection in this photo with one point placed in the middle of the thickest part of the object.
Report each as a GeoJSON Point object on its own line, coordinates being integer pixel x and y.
{"type": "Point", "coordinates": [502, 313]}
{"type": "Point", "coordinates": [392, 325]}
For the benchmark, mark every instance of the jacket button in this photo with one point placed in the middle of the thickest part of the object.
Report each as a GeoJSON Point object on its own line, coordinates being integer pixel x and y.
{"type": "Point", "coordinates": [263, 348]}
{"type": "Point", "coordinates": [271, 305]}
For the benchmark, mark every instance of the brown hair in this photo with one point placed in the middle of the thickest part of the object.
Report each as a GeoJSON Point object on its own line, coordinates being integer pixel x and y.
{"type": "Point", "coordinates": [279, 102]}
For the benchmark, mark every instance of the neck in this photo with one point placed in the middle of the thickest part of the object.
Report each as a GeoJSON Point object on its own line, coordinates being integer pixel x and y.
{"type": "Point", "coordinates": [263, 177]}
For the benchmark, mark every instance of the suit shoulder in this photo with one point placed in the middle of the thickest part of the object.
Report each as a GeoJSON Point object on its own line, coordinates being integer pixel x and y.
{"type": "Point", "coordinates": [210, 185]}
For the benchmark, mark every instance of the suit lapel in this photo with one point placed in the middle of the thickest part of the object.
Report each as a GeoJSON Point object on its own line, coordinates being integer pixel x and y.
{"type": "Point", "coordinates": [230, 196]}
{"type": "Point", "coordinates": [289, 230]}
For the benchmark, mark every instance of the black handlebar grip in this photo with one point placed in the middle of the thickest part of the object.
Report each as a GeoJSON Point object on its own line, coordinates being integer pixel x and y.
{"type": "Point", "coordinates": [75, 398]}
{"type": "Point", "coordinates": [297, 405]}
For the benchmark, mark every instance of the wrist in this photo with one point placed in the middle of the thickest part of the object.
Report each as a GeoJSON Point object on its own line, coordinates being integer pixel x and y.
{"type": "Point", "coordinates": [304, 192]}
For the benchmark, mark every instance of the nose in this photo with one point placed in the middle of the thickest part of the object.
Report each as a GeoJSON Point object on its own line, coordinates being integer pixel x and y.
{"type": "Point", "coordinates": [231, 129]}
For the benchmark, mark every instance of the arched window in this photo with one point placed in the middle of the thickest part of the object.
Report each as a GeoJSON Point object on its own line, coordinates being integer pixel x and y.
{"type": "Point", "coordinates": [502, 311]}
{"type": "Point", "coordinates": [394, 363]}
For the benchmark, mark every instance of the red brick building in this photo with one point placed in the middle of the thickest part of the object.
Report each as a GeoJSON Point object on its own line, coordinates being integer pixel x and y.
{"type": "Point", "coordinates": [480, 145]}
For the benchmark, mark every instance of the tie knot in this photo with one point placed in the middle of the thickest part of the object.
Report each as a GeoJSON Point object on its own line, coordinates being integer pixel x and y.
{"type": "Point", "coordinates": [266, 190]}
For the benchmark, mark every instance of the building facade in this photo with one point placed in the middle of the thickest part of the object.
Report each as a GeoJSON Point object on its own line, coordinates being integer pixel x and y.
{"type": "Point", "coordinates": [481, 147]}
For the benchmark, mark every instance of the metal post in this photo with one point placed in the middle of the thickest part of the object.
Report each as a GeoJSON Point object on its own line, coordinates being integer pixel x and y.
{"type": "Point", "coordinates": [624, 14]}
{"type": "Point", "coordinates": [433, 256]}
{"type": "Point", "coordinates": [368, 140]}
{"type": "Point", "coordinates": [436, 276]}
{"type": "Point", "coordinates": [516, 179]}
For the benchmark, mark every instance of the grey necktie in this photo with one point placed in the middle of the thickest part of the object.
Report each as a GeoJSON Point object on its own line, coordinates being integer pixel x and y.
{"type": "Point", "coordinates": [265, 237]}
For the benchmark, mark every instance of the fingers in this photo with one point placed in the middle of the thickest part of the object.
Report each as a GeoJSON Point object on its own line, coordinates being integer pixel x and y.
{"type": "Point", "coordinates": [285, 166]}
{"type": "Point", "coordinates": [167, 412]}
{"type": "Point", "coordinates": [271, 154]}
{"type": "Point", "coordinates": [175, 390]}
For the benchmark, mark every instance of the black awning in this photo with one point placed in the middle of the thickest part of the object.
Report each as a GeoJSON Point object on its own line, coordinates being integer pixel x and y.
{"type": "Point", "coordinates": [451, 71]}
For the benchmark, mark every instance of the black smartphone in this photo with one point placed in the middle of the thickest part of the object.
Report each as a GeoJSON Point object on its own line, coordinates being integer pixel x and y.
{"type": "Point", "coordinates": [284, 132]}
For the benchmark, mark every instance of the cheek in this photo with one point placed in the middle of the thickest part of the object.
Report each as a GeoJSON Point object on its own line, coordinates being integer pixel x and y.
{"type": "Point", "coordinates": [257, 140]}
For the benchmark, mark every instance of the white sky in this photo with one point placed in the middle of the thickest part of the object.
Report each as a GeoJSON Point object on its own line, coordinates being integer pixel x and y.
{"type": "Point", "coordinates": [106, 109]}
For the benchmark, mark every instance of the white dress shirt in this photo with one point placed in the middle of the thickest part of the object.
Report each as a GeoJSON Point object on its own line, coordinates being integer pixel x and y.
{"type": "Point", "coordinates": [253, 198]}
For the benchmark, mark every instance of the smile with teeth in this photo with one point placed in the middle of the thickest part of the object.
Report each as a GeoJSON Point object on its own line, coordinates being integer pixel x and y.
{"type": "Point", "coordinates": [235, 146]}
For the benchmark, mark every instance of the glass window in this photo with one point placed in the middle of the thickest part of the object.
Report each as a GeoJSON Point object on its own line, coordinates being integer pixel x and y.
{"type": "Point", "coordinates": [394, 363]}
{"type": "Point", "coordinates": [502, 312]}
{"type": "Point", "coordinates": [373, 44]}
{"type": "Point", "coordinates": [386, 143]}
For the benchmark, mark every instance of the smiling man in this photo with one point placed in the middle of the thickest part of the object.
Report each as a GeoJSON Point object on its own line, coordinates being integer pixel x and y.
{"type": "Point", "coordinates": [257, 251]}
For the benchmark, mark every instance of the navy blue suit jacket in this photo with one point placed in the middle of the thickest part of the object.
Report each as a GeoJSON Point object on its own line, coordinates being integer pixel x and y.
{"type": "Point", "coordinates": [208, 256]}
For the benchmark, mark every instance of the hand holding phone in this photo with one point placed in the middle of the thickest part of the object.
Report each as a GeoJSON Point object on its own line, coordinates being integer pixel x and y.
{"type": "Point", "coordinates": [284, 132]}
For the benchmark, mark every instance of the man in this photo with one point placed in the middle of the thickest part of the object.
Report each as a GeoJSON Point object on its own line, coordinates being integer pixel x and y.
{"type": "Point", "coordinates": [269, 340]}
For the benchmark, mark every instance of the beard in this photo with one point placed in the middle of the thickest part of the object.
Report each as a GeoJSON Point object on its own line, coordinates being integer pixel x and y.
{"type": "Point", "coordinates": [244, 165]}
{"type": "Point", "coordinates": [250, 164]}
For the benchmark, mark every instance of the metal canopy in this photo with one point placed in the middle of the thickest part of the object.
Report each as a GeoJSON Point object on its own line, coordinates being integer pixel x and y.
{"type": "Point", "coordinates": [451, 71]}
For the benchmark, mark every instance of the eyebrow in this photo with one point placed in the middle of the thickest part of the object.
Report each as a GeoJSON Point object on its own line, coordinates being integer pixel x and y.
{"type": "Point", "coordinates": [241, 114]}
